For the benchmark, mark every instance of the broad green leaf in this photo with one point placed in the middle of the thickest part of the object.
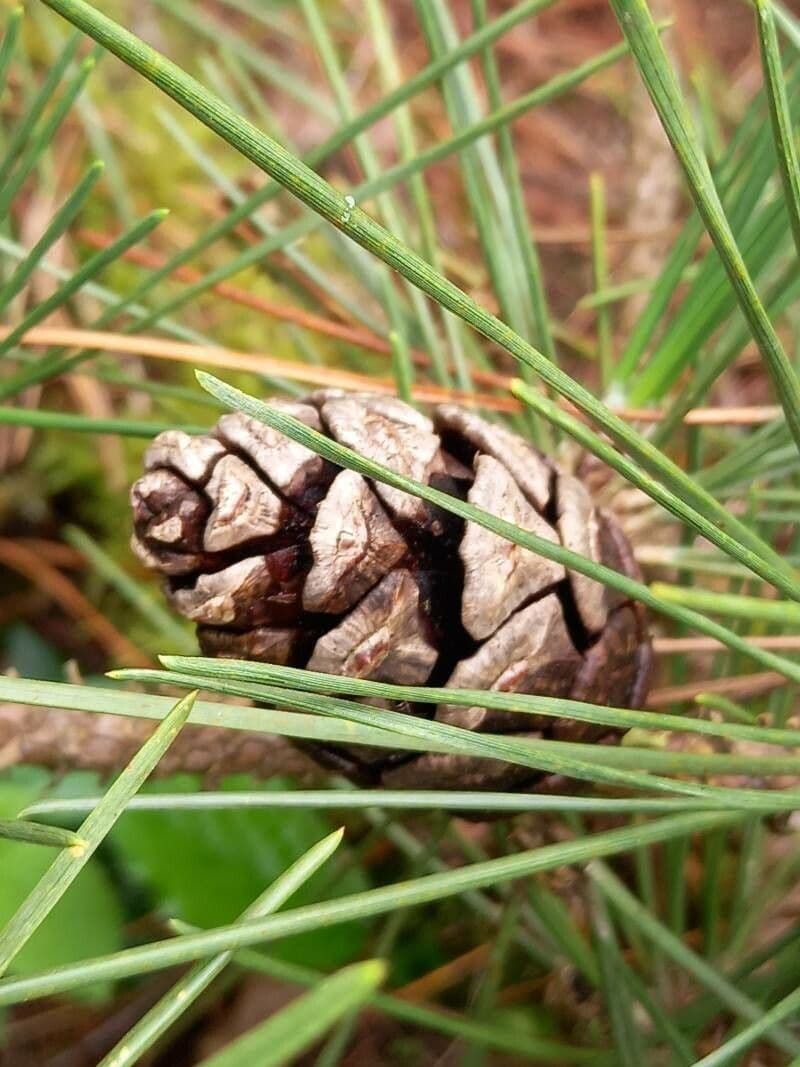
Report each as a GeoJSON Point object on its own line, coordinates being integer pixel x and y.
{"type": "Point", "coordinates": [88, 920]}
{"type": "Point", "coordinates": [61, 873]}
{"type": "Point", "coordinates": [205, 867]}
{"type": "Point", "coordinates": [145, 1033]}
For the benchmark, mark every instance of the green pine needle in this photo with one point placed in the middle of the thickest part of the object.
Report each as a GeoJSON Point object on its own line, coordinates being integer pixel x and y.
{"type": "Point", "coordinates": [491, 873]}
{"type": "Point", "coordinates": [637, 24]}
{"type": "Point", "coordinates": [69, 863]}
{"type": "Point", "coordinates": [35, 834]}
{"type": "Point", "coordinates": [345, 457]}
{"type": "Point", "coordinates": [145, 1033]}
{"type": "Point", "coordinates": [337, 208]}
{"type": "Point", "coordinates": [287, 1033]}
{"type": "Point", "coordinates": [783, 133]}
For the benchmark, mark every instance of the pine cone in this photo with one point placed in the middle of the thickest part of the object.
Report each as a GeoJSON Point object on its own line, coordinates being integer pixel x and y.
{"type": "Point", "coordinates": [279, 556]}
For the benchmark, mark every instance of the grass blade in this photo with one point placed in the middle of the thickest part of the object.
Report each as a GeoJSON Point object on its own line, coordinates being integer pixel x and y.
{"type": "Point", "coordinates": [674, 503]}
{"type": "Point", "coordinates": [9, 44]}
{"type": "Point", "coordinates": [540, 755]}
{"type": "Point", "coordinates": [283, 723]}
{"type": "Point", "coordinates": [23, 130]}
{"type": "Point", "coordinates": [66, 420]}
{"type": "Point", "coordinates": [627, 904]}
{"type": "Point", "coordinates": [428, 76]}
{"type": "Point", "coordinates": [492, 1036]}
{"type": "Point", "coordinates": [730, 1050]}
{"type": "Point", "coordinates": [402, 366]}
{"type": "Point", "coordinates": [532, 269]}
{"type": "Point", "coordinates": [789, 24]}
{"type": "Point", "coordinates": [616, 993]}
{"type": "Point", "coordinates": [407, 169]}
{"type": "Point", "coordinates": [67, 865]}
{"type": "Point", "coordinates": [605, 337]}
{"type": "Point", "coordinates": [53, 364]}
{"type": "Point", "coordinates": [731, 604]}
{"type": "Point", "coordinates": [208, 668]}
{"type": "Point", "coordinates": [679, 260]}
{"type": "Point", "coordinates": [33, 147]}
{"type": "Point", "coordinates": [138, 596]}
{"type": "Point", "coordinates": [390, 799]}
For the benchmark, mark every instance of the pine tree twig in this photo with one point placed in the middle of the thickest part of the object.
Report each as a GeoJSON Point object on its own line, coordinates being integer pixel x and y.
{"type": "Point", "coordinates": [741, 686]}
{"type": "Point", "coordinates": [63, 740]}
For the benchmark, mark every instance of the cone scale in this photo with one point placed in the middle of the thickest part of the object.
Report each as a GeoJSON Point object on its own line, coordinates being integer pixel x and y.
{"type": "Point", "coordinates": [281, 557]}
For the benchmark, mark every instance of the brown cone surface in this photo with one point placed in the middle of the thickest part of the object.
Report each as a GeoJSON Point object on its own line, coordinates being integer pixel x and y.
{"type": "Point", "coordinates": [281, 557]}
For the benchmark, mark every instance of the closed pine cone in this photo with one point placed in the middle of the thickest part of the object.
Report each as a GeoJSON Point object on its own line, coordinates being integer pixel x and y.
{"type": "Point", "coordinates": [280, 556]}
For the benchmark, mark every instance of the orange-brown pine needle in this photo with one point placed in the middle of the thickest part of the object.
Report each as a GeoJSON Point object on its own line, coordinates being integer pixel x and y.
{"type": "Point", "coordinates": [259, 363]}
{"type": "Point", "coordinates": [19, 557]}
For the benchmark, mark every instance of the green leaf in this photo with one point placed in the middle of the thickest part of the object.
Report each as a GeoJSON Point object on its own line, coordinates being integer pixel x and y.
{"type": "Point", "coordinates": [88, 920]}
{"type": "Point", "coordinates": [144, 1034]}
{"type": "Point", "coordinates": [65, 868]}
{"type": "Point", "coordinates": [206, 867]}
{"type": "Point", "coordinates": [490, 873]}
